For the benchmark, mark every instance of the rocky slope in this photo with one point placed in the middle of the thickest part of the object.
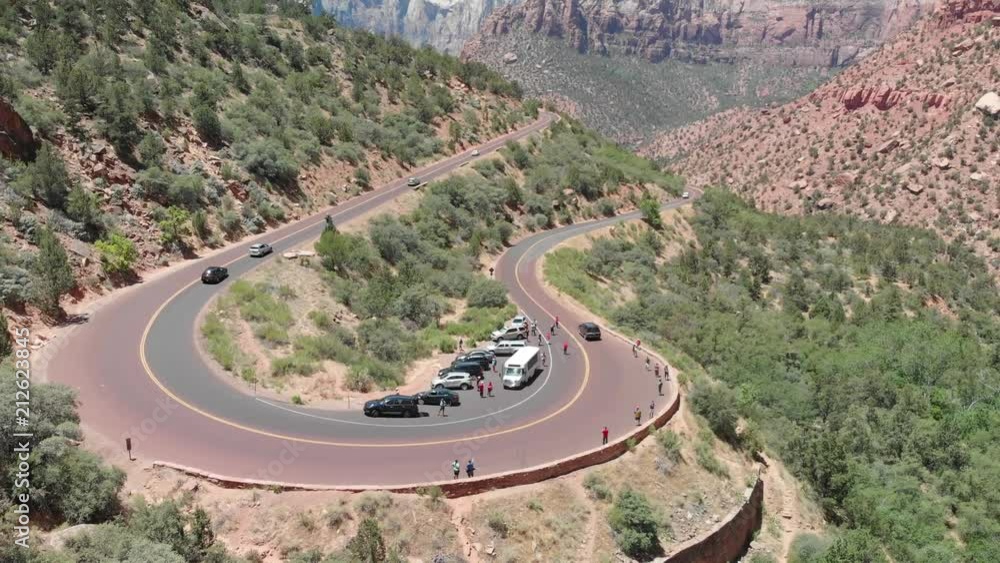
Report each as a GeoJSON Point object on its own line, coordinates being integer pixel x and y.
{"type": "Point", "coordinates": [911, 134]}
{"type": "Point", "coordinates": [443, 24]}
{"type": "Point", "coordinates": [601, 55]}
{"type": "Point", "coordinates": [174, 144]}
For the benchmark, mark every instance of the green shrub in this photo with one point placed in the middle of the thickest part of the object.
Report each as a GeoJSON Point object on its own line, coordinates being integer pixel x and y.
{"type": "Point", "coordinates": [294, 363]}
{"type": "Point", "coordinates": [651, 212]}
{"type": "Point", "coordinates": [268, 159]}
{"type": "Point", "coordinates": [52, 276]}
{"type": "Point", "coordinates": [498, 523]}
{"type": "Point", "coordinates": [706, 458]}
{"type": "Point", "coordinates": [808, 548]}
{"type": "Point", "coordinates": [670, 442]}
{"type": "Point", "coordinates": [486, 293]}
{"type": "Point", "coordinates": [118, 254]}
{"type": "Point", "coordinates": [597, 487]}
{"type": "Point", "coordinates": [206, 122]}
{"type": "Point", "coordinates": [173, 228]}
{"type": "Point", "coordinates": [635, 525]}
{"type": "Point", "coordinates": [220, 343]}
{"type": "Point", "coordinates": [46, 178]}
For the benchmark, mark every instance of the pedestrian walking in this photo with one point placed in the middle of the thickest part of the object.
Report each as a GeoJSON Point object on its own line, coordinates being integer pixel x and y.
{"type": "Point", "coordinates": [659, 387]}
{"type": "Point", "coordinates": [656, 370]}
{"type": "Point", "coordinates": [647, 363]}
{"type": "Point", "coordinates": [480, 389]}
{"type": "Point", "coordinates": [539, 339]}
{"type": "Point", "coordinates": [552, 331]}
{"type": "Point", "coordinates": [461, 342]}
{"type": "Point", "coordinates": [489, 389]}
{"type": "Point", "coordinates": [604, 435]}
{"type": "Point", "coordinates": [491, 271]}
{"type": "Point", "coordinates": [565, 348]}
{"type": "Point", "coordinates": [635, 349]}
{"type": "Point", "coordinates": [543, 359]}
{"type": "Point", "coordinates": [652, 409]}
{"type": "Point", "coordinates": [455, 468]}
{"type": "Point", "coordinates": [470, 469]}
{"type": "Point", "coordinates": [638, 415]}
{"type": "Point", "coordinates": [666, 372]}
{"type": "Point", "coordinates": [441, 406]}
{"type": "Point", "coordinates": [557, 321]}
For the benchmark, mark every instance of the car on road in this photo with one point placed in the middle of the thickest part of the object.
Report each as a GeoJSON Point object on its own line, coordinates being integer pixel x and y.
{"type": "Point", "coordinates": [510, 333]}
{"type": "Point", "coordinates": [413, 182]}
{"type": "Point", "coordinates": [435, 396]}
{"type": "Point", "coordinates": [485, 358]}
{"type": "Point", "coordinates": [520, 321]}
{"type": "Point", "coordinates": [214, 274]}
{"type": "Point", "coordinates": [686, 195]}
{"type": "Point", "coordinates": [452, 380]}
{"type": "Point", "coordinates": [590, 331]}
{"type": "Point", "coordinates": [475, 152]}
{"type": "Point", "coordinates": [260, 249]}
{"type": "Point", "coordinates": [506, 347]}
{"type": "Point", "coordinates": [401, 405]}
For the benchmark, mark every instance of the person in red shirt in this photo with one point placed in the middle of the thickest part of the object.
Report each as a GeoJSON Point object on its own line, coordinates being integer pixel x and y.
{"type": "Point", "coordinates": [480, 388]}
{"type": "Point", "coordinates": [489, 389]}
{"type": "Point", "coordinates": [565, 348]}
{"type": "Point", "coordinates": [604, 435]}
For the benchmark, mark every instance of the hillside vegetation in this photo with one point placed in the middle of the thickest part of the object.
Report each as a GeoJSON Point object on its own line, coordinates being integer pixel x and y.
{"type": "Point", "coordinates": [864, 355]}
{"type": "Point", "coordinates": [167, 126]}
{"type": "Point", "coordinates": [397, 280]}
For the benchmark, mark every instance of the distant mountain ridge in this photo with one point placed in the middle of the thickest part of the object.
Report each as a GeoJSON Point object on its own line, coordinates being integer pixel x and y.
{"type": "Point", "coordinates": [443, 24]}
{"type": "Point", "coordinates": [799, 32]}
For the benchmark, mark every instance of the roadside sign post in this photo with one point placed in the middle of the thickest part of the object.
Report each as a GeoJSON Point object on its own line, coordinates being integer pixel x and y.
{"type": "Point", "coordinates": [128, 448]}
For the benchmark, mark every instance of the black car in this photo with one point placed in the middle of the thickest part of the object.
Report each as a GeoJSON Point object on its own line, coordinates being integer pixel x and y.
{"type": "Point", "coordinates": [472, 368]}
{"type": "Point", "coordinates": [214, 274]}
{"type": "Point", "coordinates": [482, 357]}
{"type": "Point", "coordinates": [590, 331]}
{"type": "Point", "coordinates": [402, 405]}
{"type": "Point", "coordinates": [435, 396]}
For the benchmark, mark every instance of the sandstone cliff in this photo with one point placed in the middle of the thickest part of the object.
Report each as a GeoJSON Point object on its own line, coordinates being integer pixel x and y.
{"type": "Point", "coordinates": [908, 135]}
{"type": "Point", "coordinates": [443, 24]}
{"type": "Point", "coordinates": [798, 33]}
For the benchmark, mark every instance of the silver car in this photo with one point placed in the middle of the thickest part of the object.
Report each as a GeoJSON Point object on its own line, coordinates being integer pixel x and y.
{"type": "Point", "coordinates": [453, 380]}
{"type": "Point", "coordinates": [260, 249]}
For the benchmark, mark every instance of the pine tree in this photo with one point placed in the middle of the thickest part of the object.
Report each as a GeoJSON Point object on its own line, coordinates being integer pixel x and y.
{"type": "Point", "coordinates": [52, 276]}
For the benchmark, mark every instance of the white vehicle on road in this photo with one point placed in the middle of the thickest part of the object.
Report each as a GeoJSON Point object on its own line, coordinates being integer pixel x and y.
{"type": "Point", "coordinates": [686, 195]}
{"type": "Point", "coordinates": [506, 347]}
{"type": "Point", "coordinates": [520, 369]}
{"type": "Point", "coordinates": [453, 380]}
{"type": "Point", "coordinates": [260, 249]}
{"type": "Point", "coordinates": [475, 152]}
{"type": "Point", "coordinates": [519, 321]}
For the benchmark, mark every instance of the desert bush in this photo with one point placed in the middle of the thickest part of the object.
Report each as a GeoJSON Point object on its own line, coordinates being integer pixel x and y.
{"type": "Point", "coordinates": [635, 525]}
{"type": "Point", "coordinates": [118, 254]}
{"type": "Point", "coordinates": [486, 293]}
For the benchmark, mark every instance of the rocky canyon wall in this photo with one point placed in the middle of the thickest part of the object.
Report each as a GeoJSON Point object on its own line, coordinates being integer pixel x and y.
{"type": "Point", "coordinates": [794, 33]}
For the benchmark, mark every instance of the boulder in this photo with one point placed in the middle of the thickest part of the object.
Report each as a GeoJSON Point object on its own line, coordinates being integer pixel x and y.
{"type": "Point", "coordinates": [845, 179]}
{"type": "Point", "coordinates": [825, 203]}
{"type": "Point", "coordinates": [906, 169]}
{"type": "Point", "coordinates": [942, 163]}
{"type": "Point", "coordinates": [17, 142]}
{"type": "Point", "coordinates": [509, 58]}
{"type": "Point", "coordinates": [914, 188]}
{"type": "Point", "coordinates": [57, 540]}
{"type": "Point", "coordinates": [891, 215]}
{"type": "Point", "coordinates": [887, 146]}
{"type": "Point", "coordinates": [989, 104]}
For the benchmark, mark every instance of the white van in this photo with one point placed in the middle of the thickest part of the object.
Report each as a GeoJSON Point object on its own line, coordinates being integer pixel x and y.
{"type": "Point", "coordinates": [506, 347]}
{"type": "Point", "coordinates": [520, 369]}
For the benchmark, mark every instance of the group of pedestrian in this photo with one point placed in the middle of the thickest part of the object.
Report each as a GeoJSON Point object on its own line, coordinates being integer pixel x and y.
{"type": "Point", "coordinates": [470, 468]}
{"type": "Point", "coordinates": [488, 388]}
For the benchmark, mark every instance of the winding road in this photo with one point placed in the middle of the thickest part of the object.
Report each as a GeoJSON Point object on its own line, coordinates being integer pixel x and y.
{"type": "Point", "coordinates": [138, 374]}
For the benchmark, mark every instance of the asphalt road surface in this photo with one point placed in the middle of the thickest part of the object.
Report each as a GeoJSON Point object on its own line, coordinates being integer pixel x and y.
{"type": "Point", "coordinates": [138, 375]}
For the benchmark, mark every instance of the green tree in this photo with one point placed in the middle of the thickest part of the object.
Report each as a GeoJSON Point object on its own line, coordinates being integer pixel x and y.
{"type": "Point", "coordinates": [46, 178]}
{"type": "Point", "coordinates": [82, 206]}
{"type": "Point", "coordinates": [118, 113]}
{"type": "Point", "coordinates": [651, 212]}
{"type": "Point", "coordinates": [151, 149]}
{"type": "Point", "coordinates": [206, 122]}
{"type": "Point", "coordinates": [367, 545]}
{"type": "Point", "coordinates": [174, 227]}
{"type": "Point", "coordinates": [52, 276]}
{"type": "Point", "coordinates": [486, 293]}
{"type": "Point", "coordinates": [118, 254]}
{"type": "Point", "coordinates": [635, 526]}
{"type": "Point", "coordinates": [855, 546]}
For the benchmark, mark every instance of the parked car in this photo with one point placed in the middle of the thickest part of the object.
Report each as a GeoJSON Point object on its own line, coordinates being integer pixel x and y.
{"type": "Point", "coordinates": [510, 333]}
{"type": "Point", "coordinates": [260, 249]}
{"type": "Point", "coordinates": [506, 347]}
{"type": "Point", "coordinates": [401, 405]}
{"type": "Point", "coordinates": [482, 357]}
{"type": "Point", "coordinates": [413, 182]}
{"type": "Point", "coordinates": [214, 274]}
{"type": "Point", "coordinates": [452, 380]}
{"type": "Point", "coordinates": [436, 395]}
{"type": "Point", "coordinates": [590, 331]}
{"type": "Point", "coordinates": [520, 321]}
{"type": "Point", "coordinates": [475, 152]}
{"type": "Point", "coordinates": [686, 195]}
{"type": "Point", "coordinates": [474, 368]}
